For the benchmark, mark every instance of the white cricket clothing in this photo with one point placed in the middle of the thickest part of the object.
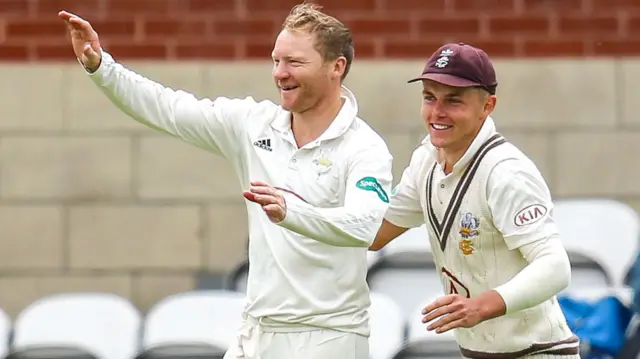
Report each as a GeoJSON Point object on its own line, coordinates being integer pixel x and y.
{"type": "Point", "coordinates": [335, 188]}
{"type": "Point", "coordinates": [493, 207]}
{"type": "Point", "coordinates": [255, 342]}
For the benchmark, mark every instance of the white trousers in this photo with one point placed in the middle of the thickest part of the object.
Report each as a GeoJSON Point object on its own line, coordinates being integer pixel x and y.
{"type": "Point", "coordinates": [256, 342]}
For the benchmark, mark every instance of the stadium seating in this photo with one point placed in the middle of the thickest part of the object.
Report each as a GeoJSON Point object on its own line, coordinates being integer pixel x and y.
{"type": "Point", "coordinates": [387, 327]}
{"type": "Point", "coordinates": [77, 326]}
{"type": "Point", "coordinates": [607, 230]}
{"type": "Point", "coordinates": [196, 324]}
{"type": "Point", "coordinates": [423, 344]}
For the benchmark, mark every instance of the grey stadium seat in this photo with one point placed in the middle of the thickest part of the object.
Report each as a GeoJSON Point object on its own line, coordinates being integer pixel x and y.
{"type": "Point", "coordinates": [587, 272]}
{"type": "Point", "coordinates": [195, 324]}
{"type": "Point", "coordinates": [77, 326]}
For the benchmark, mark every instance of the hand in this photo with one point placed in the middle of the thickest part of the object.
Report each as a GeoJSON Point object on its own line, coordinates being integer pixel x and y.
{"type": "Point", "coordinates": [454, 311]}
{"type": "Point", "coordinates": [271, 200]}
{"type": "Point", "coordinates": [84, 40]}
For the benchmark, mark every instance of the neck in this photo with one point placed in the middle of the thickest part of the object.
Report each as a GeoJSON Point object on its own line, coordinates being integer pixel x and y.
{"type": "Point", "coordinates": [307, 126]}
{"type": "Point", "coordinates": [451, 155]}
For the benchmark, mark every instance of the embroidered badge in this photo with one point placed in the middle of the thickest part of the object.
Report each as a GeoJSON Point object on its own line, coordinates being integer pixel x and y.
{"type": "Point", "coordinates": [468, 229]}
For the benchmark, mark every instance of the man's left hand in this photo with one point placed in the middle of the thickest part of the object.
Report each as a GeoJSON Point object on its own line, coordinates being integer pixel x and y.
{"type": "Point", "coordinates": [454, 311]}
{"type": "Point", "coordinates": [271, 200]}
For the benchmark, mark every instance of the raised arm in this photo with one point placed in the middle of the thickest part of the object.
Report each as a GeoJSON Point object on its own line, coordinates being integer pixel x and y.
{"type": "Point", "coordinates": [212, 125]}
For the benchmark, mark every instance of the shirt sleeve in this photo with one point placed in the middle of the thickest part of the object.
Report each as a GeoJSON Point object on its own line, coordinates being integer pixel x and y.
{"type": "Point", "coordinates": [520, 203]}
{"type": "Point", "coordinates": [405, 209]}
{"type": "Point", "coordinates": [213, 125]}
{"type": "Point", "coordinates": [356, 223]}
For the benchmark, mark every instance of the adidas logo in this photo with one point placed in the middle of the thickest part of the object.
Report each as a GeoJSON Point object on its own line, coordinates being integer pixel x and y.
{"type": "Point", "coordinates": [265, 144]}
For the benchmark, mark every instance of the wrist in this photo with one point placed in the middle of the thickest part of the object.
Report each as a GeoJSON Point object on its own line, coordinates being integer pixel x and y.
{"type": "Point", "coordinates": [491, 305]}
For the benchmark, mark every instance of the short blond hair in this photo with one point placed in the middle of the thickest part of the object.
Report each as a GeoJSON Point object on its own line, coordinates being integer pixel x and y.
{"type": "Point", "coordinates": [333, 38]}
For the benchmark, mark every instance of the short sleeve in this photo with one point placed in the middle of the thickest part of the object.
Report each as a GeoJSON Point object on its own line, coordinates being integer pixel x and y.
{"type": "Point", "coordinates": [405, 209]}
{"type": "Point", "coordinates": [520, 203]}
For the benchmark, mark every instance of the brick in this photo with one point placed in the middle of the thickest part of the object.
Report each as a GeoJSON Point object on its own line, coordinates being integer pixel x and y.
{"type": "Point", "coordinates": [615, 4]}
{"type": "Point", "coordinates": [200, 6]}
{"type": "Point", "coordinates": [14, 52]}
{"type": "Point", "coordinates": [633, 24]}
{"type": "Point", "coordinates": [616, 47]}
{"type": "Point", "coordinates": [489, 6]}
{"type": "Point", "coordinates": [14, 7]}
{"type": "Point", "coordinates": [259, 50]}
{"type": "Point", "coordinates": [556, 6]}
{"type": "Point", "coordinates": [18, 291]}
{"type": "Point", "coordinates": [252, 27]}
{"type": "Point", "coordinates": [448, 26]}
{"type": "Point", "coordinates": [196, 51]}
{"type": "Point", "coordinates": [330, 6]}
{"type": "Point", "coordinates": [582, 25]}
{"type": "Point", "coordinates": [553, 48]}
{"type": "Point", "coordinates": [495, 48]}
{"type": "Point", "coordinates": [414, 6]}
{"type": "Point", "coordinates": [519, 25]}
{"type": "Point", "coordinates": [109, 237]}
{"type": "Point", "coordinates": [367, 26]}
{"type": "Point", "coordinates": [129, 8]}
{"type": "Point", "coordinates": [45, 51]}
{"type": "Point", "coordinates": [29, 28]}
{"type": "Point", "coordinates": [31, 237]}
{"type": "Point", "coordinates": [175, 28]}
{"type": "Point", "coordinates": [65, 167]}
{"type": "Point", "coordinates": [129, 50]}
{"type": "Point", "coordinates": [364, 48]}
{"type": "Point", "coordinates": [410, 49]}
{"type": "Point", "coordinates": [82, 8]}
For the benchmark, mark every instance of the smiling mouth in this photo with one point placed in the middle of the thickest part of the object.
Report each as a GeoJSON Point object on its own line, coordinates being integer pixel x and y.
{"type": "Point", "coordinates": [440, 127]}
{"type": "Point", "coordinates": [288, 88]}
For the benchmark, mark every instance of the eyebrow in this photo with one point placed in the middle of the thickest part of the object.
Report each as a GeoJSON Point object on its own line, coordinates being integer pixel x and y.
{"type": "Point", "coordinates": [456, 93]}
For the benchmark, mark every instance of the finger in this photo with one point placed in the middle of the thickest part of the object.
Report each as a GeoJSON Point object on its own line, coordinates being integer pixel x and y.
{"type": "Point", "coordinates": [460, 323]}
{"type": "Point", "coordinates": [249, 196]}
{"type": "Point", "coordinates": [265, 199]}
{"type": "Point", "coordinates": [438, 313]}
{"type": "Point", "coordinates": [440, 302]}
{"type": "Point", "coordinates": [451, 317]}
{"type": "Point", "coordinates": [261, 184]}
{"type": "Point", "coordinates": [89, 52]}
{"type": "Point", "coordinates": [264, 190]}
{"type": "Point", "coordinates": [65, 15]}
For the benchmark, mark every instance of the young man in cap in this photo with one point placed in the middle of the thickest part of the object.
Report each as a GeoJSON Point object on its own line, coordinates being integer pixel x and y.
{"type": "Point", "coordinates": [488, 213]}
{"type": "Point", "coordinates": [316, 179]}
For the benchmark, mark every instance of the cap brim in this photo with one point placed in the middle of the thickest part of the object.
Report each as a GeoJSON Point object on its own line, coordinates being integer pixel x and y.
{"type": "Point", "coordinates": [446, 79]}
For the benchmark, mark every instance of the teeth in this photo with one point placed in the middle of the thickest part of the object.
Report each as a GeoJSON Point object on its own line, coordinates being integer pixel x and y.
{"type": "Point", "coordinates": [439, 127]}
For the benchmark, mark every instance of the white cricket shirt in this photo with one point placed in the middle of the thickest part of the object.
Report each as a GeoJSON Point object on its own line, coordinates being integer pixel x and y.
{"type": "Point", "coordinates": [494, 202]}
{"type": "Point", "coordinates": [309, 270]}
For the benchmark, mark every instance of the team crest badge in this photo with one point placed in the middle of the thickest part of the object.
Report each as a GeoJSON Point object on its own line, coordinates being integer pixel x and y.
{"type": "Point", "coordinates": [468, 229]}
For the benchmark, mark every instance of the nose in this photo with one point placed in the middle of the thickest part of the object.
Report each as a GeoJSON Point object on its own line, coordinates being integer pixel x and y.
{"type": "Point", "coordinates": [280, 71]}
{"type": "Point", "coordinates": [438, 109]}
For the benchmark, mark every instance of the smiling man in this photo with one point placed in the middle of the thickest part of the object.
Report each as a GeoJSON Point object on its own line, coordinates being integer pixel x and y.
{"type": "Point", "coordinates": [316, 179]}
{"type": "Point", "coordinates": [488, 212]}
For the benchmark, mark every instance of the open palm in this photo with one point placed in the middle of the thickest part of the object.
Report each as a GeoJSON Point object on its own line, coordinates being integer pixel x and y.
{"type": "Point", "coordinates": [84, 40]}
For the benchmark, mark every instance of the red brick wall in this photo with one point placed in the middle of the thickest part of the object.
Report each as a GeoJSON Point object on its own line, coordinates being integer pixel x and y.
{"type": "Point", "coordinates": [239, 29]}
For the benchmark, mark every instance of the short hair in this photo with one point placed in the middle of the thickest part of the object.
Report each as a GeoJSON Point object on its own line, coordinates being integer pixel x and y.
{"type": "Point", "coordinates": [333, 38]}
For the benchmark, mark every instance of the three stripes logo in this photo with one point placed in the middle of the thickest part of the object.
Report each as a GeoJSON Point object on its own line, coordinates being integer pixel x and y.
{"type": "Point", "coordinates": [265, 144]}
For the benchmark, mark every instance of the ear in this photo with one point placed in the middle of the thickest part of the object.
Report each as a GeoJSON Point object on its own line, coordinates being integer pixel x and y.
{"type": "Point", "coordinates": [489, 105]}
{"type": "Point", "coordinates": [339, 67]}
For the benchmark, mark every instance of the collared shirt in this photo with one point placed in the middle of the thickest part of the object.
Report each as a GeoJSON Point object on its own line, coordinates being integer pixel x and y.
{"type": "Point", "coordinates": [517, 195]}
{"type": "Point", "coordinates": [310, 269]}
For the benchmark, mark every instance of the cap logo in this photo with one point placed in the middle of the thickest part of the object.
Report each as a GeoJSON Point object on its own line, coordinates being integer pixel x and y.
{"type": "Point", "coordinates": [443, 60]}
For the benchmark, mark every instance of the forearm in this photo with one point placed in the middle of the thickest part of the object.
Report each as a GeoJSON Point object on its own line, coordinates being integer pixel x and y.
{"type": "Point", "coordinates": [341, 227]}
{"type": "Point", "coordinates": [144, 100]}
{"type": "Point", "coordinates": [547, 274]}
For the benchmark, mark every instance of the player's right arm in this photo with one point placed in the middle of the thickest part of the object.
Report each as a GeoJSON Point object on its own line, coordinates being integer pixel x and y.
{"type": "Point", "coordinates": [405, 210]}
{"type": "Point", "coordinates": [211, 125]}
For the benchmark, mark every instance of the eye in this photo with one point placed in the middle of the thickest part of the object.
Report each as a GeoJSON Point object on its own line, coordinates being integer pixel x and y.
{"type": "Point", "coordinates": [428, 98]}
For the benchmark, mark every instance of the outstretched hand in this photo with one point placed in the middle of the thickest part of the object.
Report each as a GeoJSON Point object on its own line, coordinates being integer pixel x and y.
{"type": "Point", "coordinates": [84, 40]}
{"type": "Point", "coordinates": [270, 198]}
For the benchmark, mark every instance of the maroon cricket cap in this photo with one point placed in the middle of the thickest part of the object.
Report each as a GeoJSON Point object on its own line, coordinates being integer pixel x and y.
{"type": "Point", "coordinates": [460, 65]}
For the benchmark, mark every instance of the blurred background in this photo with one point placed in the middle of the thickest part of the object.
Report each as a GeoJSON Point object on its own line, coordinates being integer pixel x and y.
{"type": "Point", "coordinates": [92, 201]}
